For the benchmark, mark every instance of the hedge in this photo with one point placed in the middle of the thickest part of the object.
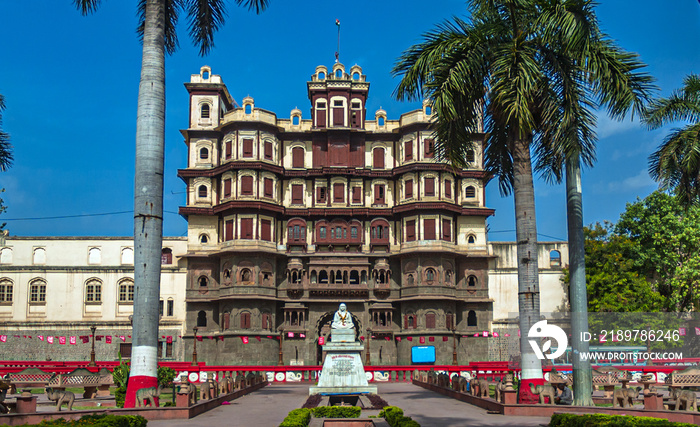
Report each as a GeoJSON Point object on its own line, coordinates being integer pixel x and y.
{"type": "Point", "coordinates": [395, 418]}
{"type": "Point", "coordinates": [337, 411]}
{"type": "Point", "coordinates": [103, 420]}
{"type": "Point", "coordinates": [594, 420]}
{"type": "Point", "coordinates": [297, 418]}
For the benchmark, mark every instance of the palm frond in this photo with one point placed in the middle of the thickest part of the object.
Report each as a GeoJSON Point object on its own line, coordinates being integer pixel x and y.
{"type": "Point", "coordinates": [256, 5]}
{"type": "Point", "coordinates": [205, 18]}
{"type": "Point", "coordinates": [87, 7]}
{"type": "Point", "coordinates": [6, 156]}
{"type": "Point", "coordinates": [682, 105]}
{"type": "Point", "coordinates": [676, 164]}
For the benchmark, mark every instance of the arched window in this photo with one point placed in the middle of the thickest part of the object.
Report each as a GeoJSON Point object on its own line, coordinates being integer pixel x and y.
{"type": "Point", "coordinates": [354, 277]}
{"type": "Point", "coordinates": [554, 259]}
{"type": "Point", "coordinates": [93, 291]}
{"type": "Point", "coordinates": [339, 73]}
{"type": "Point", "coordinates": [314, 277]}
{"type": "Point", "coordinates": [380, 121]}
{"type": "Point", "coordinates": [205, 111]}
{"type": "Point", "coordinates": [226, 321]}
{"type": "Point", "coordinates": [37, 291]}
{"type": "Point", "coordinates": [430, 320]}
{"type": "Point", "coordinates": [202, 319]}
{"type": "Point", "coordinates": [171, 307]}
{"type": "Point", "coordinates": [203, 238]}
{"type": "Point", "coordinates": [246, 275]}
{"type": "Point", "coordinates": [429, 275]}
{"type": "Point", "coordinates": [410, 280]}
{"type": "Point", "coordinates": [470, 192]}
{"type": "Point", "coordinates": [295, 120]}
{"type": "Point", "coordinates": [202, 191]}
{"type": "Point", "coordinates": [127, 256]}
{"type": "Point", "coordinates": [203, 281]}
{"type": "Point", "coordinates": [39, 256]}
{"type": "Point", "coordinates": [471, 238]}
{"type": "Point", "coordinates": [204, 153]}
{"type": "Point", "coordinates": [6, 290]}
{"type": "Point", "coordinates": [5, 256]}
{"type": "Point", "coordinates": [428, 110]}
{"type": "Point", "coordinates": [472, 280]}
{"type": "Point", "coordinates": [166, 256]}
{"type": "Point", "coordinates": [471, 318]}
{"type": "Point", "coordinates": [248, 108]}
{"type": "Point", "coordinates": [126, 291]}
{"type": "Point", "coordinates": [321, 75]}
{"type": "Point", "coordinates": [94, 256]}
{"type": "Point", "coordinates": [323, 276]}
{"type": "Point", "coordinates": [448, 277]}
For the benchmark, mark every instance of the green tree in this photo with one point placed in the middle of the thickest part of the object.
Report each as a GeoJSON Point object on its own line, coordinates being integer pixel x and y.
{"type": "Point", "coordinates": [534, 69]}
{"type": "Point", "coordinates": [676, 163]}
{"type": "Point", "coordinates": [668, 247]}
{"type": "Point", "coordinates": [157, 30]}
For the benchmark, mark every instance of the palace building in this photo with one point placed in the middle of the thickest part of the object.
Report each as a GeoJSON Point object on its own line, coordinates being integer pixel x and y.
{"type": "Point", "coordinates": [288, 217]}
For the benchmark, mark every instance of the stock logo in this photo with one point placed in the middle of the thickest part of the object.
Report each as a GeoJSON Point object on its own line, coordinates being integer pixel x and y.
{"type": "Point", "coordinates": [542, 330]}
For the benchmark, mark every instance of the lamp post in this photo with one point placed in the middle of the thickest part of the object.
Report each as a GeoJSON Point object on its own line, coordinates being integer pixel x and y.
{"type": "Point", "coordinates": [92, 363]}
{"type": "Point", "coordinates": [194, 350]}
{"type": "Point", "coordinates": [454, 347]}
{"type": "Point", "coordinates": [280, 362]}
{"type": "Point", "coordinates": [369, 338]}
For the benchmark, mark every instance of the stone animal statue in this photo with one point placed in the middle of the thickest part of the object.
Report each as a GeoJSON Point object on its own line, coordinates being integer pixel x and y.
{"type": "Point", "coordinates": [624, 397]}
{"type": "Point", "coordinates": [204, 390]}
{"type": "Point", "coordinates": [443, 380]}
{"type": "Point", "coordinates": [479, 387]}
{"type": "Point", "coordinates": [190, 390]}
{"type": "Point", "coordinates": [459, 383]}
{"type": "Point", "coordinates": [250, 379]}
{"type": "Point", "coordinates": [498, 390]}
{"type": "Point", "coordinates": [149, 395]}
{"type": "Point", "coordinates": [213, 386]}
{"type": "Point", "coordinates": [227, 384]}
{"type": "Point", "coordinates": [240, 381]}
{"type": "Point", "coordinates": [61, 396]}
{"type": "Point", "coordinates": [544, 390]}
{"type": "Point", "coordinates": [432, 377]}
{"type": "Point", "coordinates": [686, 399]}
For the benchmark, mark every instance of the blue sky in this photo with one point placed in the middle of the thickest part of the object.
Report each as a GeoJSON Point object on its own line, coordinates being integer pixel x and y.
{"type": "Point", "coordinates": [70, 84]}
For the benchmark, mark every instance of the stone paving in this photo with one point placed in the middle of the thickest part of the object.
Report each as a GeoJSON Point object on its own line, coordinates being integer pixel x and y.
{"type": "Point", "coordinates": [269, 406]}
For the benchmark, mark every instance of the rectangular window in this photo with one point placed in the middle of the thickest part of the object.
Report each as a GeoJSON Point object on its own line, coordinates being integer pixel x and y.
{"type": "Point", "coordinates": [322, 233]}
{"type": "Point", "coordinates": [228, 230]}
{"type": "Point", "coordinates": [321, 195]}
{"type": "Point", "coordinates": [171, 307]}
{"type": "Point", "coordinates": [266, 230]}
{"type": "Point", "coordinates": [247, 147]}
{"type": "Point", "coordinates": [168, 349]}
{"type": "Point", "coordinates": [338, 193]}
{"type": "Point", "coordinates": [245, 320]}
{"type": "Point", "coordinates": [160, 307]}
{"type": "Point", "coordinates": [429, 229]}
{"type": "Point", "coordinates": [379, 197]}
{"type": "Point", "coordinates": [429, 186]}
{"type": "Point", "coordinates": [411, 230]}
{"type": "Point", "coordinates": [246, 228]}
{"type": "Point", "coordinates": [268, 150]}
{"type": "Point", "coordinates": [448, 189]}
{"type": "Point", "coordinates": [429, 148]}
{"type": "Point", "coordinates": [449, 321]}
{"type": "Point", "coordinates": [408, 188]}
{"type": "Point", "coordinates": [125, 349]}
{"type": "Point", "coordinates": [408, 150]}
{"type": "Point", "coordinates": [446, 230]}
{"type": "Point", "coordinates": [227, 188]}
{"type": "Point", "coordinates": [297, 194]}
{"type": "Point", "coordinates": [353, 233]}
{"type": "Point", "coordinates": [338, 115]}
{"type": "Point", "coordinates": [247, 185]}
{"type": "Point", "coordinates": [268, 187]}
{"type": "Point", "coordinates": [430, 320]}
{"type": "Point", "coordinates": [378, 155]}
{"type": "Point", "coordinates": [357, 194]}
{"type": "Point", "coordinates": [297, 232]}
{"type": "Point", "coordinates": [297, 157]}
{"type": "Point", "coordinates": [229, 149]}
{"type": "Point", "coordinates": [266, 321]}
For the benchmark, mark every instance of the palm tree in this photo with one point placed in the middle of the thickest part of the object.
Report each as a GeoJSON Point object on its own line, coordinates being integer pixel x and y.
{"type": "Point", "coordinates": [676, 163]}
{"type": "Point", "coordinates": [537, 65]}
{"type": "Point", "coordinates": [6, 157]}
{"type": "Point", "coordinates": [157, 30]}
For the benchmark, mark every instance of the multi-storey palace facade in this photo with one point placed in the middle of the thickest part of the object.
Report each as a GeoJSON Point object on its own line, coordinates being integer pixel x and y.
{"type": "Point", "coordinates": [287, 217]}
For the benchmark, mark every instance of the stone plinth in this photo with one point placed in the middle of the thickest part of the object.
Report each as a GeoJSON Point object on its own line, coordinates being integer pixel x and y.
{"type": "Point", "coordinates": [26, 404]}
{"type": "Point", "coordinates": [343, 372]}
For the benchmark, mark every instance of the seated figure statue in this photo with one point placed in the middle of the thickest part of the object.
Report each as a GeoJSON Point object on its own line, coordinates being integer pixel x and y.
{"type": "Point", "coordinates": [342, 318]}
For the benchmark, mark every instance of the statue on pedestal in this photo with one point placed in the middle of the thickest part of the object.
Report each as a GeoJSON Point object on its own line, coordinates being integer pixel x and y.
{"type": "Point", "coordinates": [342, 318]}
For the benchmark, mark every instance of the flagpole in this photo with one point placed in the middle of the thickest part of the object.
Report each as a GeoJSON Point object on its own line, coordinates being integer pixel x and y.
{"type": "Point", "coordinates": [337, 52]}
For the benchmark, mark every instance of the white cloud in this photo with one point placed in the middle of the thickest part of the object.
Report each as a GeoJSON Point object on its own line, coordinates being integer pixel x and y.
{"type": "Point", "coordinates": [640, 180]}
{"type": "Point", "coordinates": [608, 127]}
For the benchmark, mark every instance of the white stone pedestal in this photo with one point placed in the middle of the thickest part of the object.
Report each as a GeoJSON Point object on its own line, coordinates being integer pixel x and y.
{"type": "Point", "coordinates": [343, 372]}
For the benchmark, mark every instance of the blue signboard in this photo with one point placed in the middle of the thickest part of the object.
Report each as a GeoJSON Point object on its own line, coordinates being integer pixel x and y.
{"type": "Point", "coordinates": [423, 354]}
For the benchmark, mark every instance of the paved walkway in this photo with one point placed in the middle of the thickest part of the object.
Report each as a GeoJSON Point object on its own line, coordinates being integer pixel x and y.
{"type": "Point", "coordinates": [268, 407]}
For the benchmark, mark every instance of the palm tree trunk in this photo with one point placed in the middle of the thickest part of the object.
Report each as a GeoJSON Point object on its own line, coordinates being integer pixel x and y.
{"type": "Point", "coordinates": [148, 203]}
{"type": "Point", "coordinates": [528, 272]}
{"type": "Point", "coordinates": [577, 290]}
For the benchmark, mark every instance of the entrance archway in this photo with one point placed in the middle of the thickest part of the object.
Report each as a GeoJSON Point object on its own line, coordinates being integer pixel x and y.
{"type": "Point", "coordinates": [323, 329]}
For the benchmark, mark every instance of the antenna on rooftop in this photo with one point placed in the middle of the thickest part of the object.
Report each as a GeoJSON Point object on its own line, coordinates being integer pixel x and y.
{"type": "Point", "coordinates": [337, 52]}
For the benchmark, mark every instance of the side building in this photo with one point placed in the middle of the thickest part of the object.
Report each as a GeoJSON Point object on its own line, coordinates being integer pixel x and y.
{"type": "Point", "coordinates": [288, 217]}
{"type": "Point", "coordinates": [55, 288]}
